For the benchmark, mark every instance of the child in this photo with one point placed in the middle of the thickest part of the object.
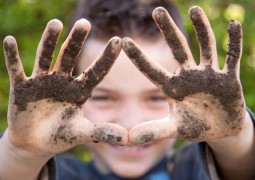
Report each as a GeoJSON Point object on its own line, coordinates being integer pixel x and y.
{"type": "Point", "coordinates": [51, 111]}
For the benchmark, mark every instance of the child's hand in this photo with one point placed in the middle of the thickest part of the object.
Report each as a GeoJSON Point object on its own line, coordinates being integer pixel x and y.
{"type": "Point", "coordinates": [44, 114]}
{"type": "Point", "coordinates": [206, 103]}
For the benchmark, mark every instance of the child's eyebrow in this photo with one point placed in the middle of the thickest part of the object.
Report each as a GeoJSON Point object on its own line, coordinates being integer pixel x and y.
{"type": "Point", "coordinates": [102, 89]}
{"type": "Point", "coordinates": [156, 90]}
{"type": "Point", "coordinates": [151, 90]}
{"type": "Point", "coordinates": [107, 90]}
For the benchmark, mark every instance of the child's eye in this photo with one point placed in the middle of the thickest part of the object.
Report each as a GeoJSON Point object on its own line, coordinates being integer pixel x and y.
{"type": "Point", "coordinates": [102, 101]}
{"type": "Point", "coordinates": [156, 102]}
{"type": "Point", "coordinates": [101, 98]}
{"type": "Point", "coordinates": [157, 98]}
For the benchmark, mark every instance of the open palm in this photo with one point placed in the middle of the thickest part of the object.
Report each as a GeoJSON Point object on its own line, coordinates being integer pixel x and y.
{"type": "Point", "coordinates": [206, 102]}
{"type": "Point", "coordinates": [44, 114]}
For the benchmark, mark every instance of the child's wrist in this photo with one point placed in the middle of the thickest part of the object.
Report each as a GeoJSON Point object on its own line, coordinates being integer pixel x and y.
{"type": "Point", "coordinates": [18, 153]}
{"type": "Point", "coordinates": [240, 140]}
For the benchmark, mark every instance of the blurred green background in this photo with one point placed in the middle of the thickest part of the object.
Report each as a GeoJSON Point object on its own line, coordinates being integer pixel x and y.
{"type": "Point", "coordinates": [26, 19]}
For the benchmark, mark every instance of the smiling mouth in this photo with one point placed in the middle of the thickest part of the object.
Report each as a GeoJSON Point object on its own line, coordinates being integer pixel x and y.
{"type": "Point", "coordinates": [131, 151]}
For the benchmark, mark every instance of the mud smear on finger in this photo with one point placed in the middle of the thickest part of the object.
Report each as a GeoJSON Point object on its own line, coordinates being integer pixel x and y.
{"type": "Point", "coordinates": [48, 50]}
{"type": "Point", "coordinates": [94, 75]}
{"type": "Point", "coordinates": [136, 55]}
{"type": "Point", "coordinates": [170, 34]}
{"type": "Point", "coordinates": [202, 33]}
{"type": "Point", "coordinates": [11, 53]}
{"type": "Point", "coordinates": [145, 138]}
{"type": "Point", "coordinates": [12, 63]}
{"type": "Point", "coordinates": [106, 135]}
{"type": "Point", "coordinates": [234, 49]}
{"type": "Point", "coordinates": [72, 50]}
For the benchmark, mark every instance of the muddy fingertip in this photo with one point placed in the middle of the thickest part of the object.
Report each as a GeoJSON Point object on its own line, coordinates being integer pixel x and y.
{"type": "Point", "coordinates": [125, 41]}
{"type": "Point", "coordinates": [116, 40]}
{"type": "Point", "coordinates": [195, 13]}
{"type": "Point", "coordinates": [116, 43]}
{"type": "Point", "coordinates": [55, 24]}
{"type": "Point", "coordinates": [9, 40]}
{"type": "Point", "coordinates": [131, 49]}
{"type": "Point", "coordinates": [195, 10]}
{"type": "Point", "coordinates": [158, 12]}
{"type": "Point", "coordinates": [235, 30]}
{"type": "Point", "coordinates": [83, 23]}
{"type": "Point", "coordinates": [235, 24]}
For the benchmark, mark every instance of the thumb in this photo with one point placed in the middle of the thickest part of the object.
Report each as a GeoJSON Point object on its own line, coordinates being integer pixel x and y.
{"type": "Point", "coordinates": [152, 131]}
{"type": "Point", "coordinates": [100, 132]}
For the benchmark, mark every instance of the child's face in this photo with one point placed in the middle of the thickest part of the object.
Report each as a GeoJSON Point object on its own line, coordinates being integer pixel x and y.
{"type": "Point", "coordinates": [125, 97]}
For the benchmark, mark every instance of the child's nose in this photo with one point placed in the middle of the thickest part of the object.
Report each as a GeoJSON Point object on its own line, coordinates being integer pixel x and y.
{"type": "Point", "coordinates": [129, 115]}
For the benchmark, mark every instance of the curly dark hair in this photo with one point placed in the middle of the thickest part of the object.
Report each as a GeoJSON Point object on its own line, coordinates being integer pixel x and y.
{"type": "Point", "coordinates": [123, 17]}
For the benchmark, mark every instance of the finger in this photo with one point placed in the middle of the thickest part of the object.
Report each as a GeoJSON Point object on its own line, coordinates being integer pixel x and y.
{"type": "Point", "coordinates": [109, 133]}
{"type": "Point", "coordinates": [13, 62]}
{"type": "Point", "coordinates": [205, 35]}
{"type": "Point", "coordinates": [175, 39]}
{"type": "Point", "coordinates": [71, 48]}
{"type": "Point", "coordinates": [96, 72]}
{"type": "Point", "coordinates": [148, 67]}
{"type": "Point", "coordinates": [234, 48]}
{"type": "Point", "coordinates": [152, 130]}
{"type": "Point", "coordinates": [100, 132]}
{"type": "Point", "coordinates": [46, 47]}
